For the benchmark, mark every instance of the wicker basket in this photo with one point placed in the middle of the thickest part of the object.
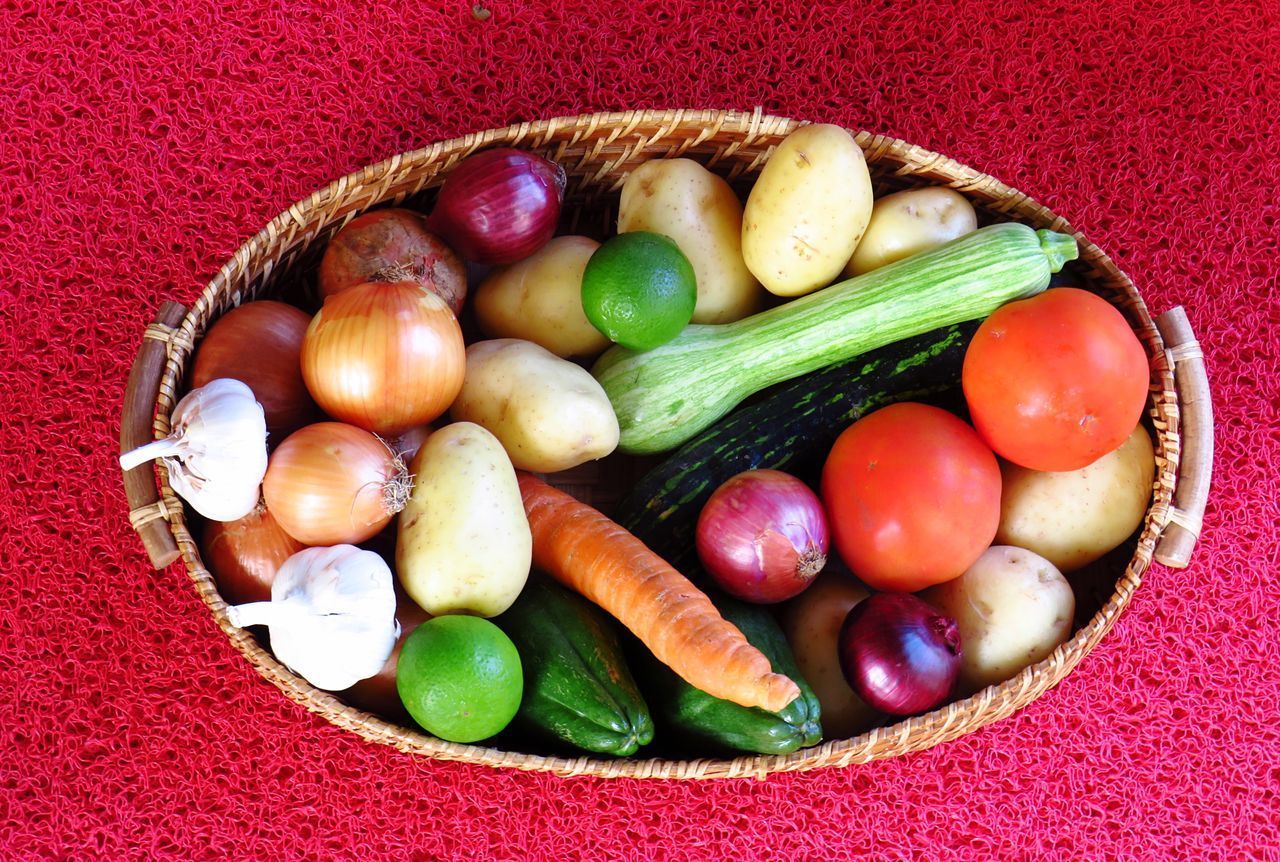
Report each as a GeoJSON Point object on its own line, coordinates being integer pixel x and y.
{"type": "Point", "coordinates": [598, 151]}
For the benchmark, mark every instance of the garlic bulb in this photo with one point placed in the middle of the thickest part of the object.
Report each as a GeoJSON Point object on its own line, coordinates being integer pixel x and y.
{"type": "Point", "coordinates": [332, 615]}
{"type": "Point", "coordinates": [217, 451]}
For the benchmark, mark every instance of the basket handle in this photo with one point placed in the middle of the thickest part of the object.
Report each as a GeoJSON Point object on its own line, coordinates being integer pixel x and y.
{"type": "Point", "coordinates": [1178, 540]}
{"type": "Point", "coordinates": [147, 511]}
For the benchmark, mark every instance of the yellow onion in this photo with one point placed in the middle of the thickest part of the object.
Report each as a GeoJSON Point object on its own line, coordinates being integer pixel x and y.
{"type": "Point", "coordinates": [333, 484]}
{"type": "Point", "coordinates": [378, 693]}
{"type": "Point", "coordinates": [384, 356]}
{"type": "Point", "coordinates": [244, 555]}
{"type": "Point", "coordinates": [259, 344]}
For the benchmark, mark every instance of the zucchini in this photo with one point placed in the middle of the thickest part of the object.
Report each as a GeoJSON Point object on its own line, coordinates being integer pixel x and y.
{"type": "Point", "coordinates": [577, 686]}
{"type": "Point", "coordinates": [697, 720]}
{"type": "Point", "coordinates": [791, 429]}
{"type": "Point", "coordinates": [665, 396]}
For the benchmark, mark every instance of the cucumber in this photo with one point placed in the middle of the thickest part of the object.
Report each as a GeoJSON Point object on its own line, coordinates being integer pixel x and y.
{"type": "Point", "coordinates": [696, 720]}
{"type": "Point", "coordinates": [791, 429]}
{"type": "Point", "coordinates": [577, 686]}
{"type": "Point", "coordinates": [667, 395]}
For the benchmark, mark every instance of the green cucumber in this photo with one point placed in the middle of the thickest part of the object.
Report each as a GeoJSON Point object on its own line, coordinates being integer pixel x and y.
{"type": "Point", "coordinates": [577, 686]}
{"type": "Point", "coordinates": [697, 721]}
{"type": "Point", "coordinates": [665, 396]}
{"type": "Point", "coordinates": [791, 429]}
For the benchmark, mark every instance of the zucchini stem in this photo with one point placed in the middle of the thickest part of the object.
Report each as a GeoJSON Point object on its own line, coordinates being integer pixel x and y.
{"type": "Point", "coordinates": [1058, 248]}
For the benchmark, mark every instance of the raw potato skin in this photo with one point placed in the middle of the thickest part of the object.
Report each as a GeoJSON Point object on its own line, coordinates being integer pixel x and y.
{"type": "Point", "coordinates": [463, 544]}
{"type": "Point", "coordinates": [908, 222]}
{"type": "Point", "coordinates": [1012, 607]}
{"type": "Point", "coordinates": [549, 413]}
{"type": "Point", "coordinates": [1073, 518]}
{"type": "Point", "coordinates": [807, 211]}
{"type": "Point", "coordinates": [811, 622]}
{"type": "Point", "coordinates": [539, 299]}
{"type": "Point", "coordinates": [697, 210]}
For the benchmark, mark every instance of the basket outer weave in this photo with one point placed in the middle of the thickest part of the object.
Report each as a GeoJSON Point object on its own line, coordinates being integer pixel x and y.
{"type": "Point", "coordinates": [598, 151]}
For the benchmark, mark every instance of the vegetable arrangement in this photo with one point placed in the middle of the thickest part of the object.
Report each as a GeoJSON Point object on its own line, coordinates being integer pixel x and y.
{"type": "Point", "coordinates": [932, 436]}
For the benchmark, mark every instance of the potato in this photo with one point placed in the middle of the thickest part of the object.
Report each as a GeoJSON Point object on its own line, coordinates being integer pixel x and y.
{"type": "Point", "coordinates": [697, 210]}
{"type": "Point", "coordinates": [1012, 608]}
{"type": "Point", "coordinates": [807, 211]}
{"type": "Point", "coordinates": [908, 222]}
{"type": "Point", "coordinates": [1074, 517]}
{"type": "Point", "coordinates": [812, 622]}
{"type": "Point", "coordinates": [539, 299]}
{"type": "Point", "coordinates": [549, 413]}
{"type": "Point", "coordinates": [463, 544]}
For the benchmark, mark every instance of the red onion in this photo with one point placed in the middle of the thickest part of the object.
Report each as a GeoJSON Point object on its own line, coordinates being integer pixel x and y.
{"type": "Point", "coordinates": [899, 653]}
{"type": "Point", "coordinates": [763, 536]}
{"type": "Point", "coordinates": [499, 206]}
{"type": "Point", "coordinates": [407, 443]}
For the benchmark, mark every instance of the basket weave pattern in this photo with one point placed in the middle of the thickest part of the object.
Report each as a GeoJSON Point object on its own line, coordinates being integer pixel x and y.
{"type": "Point", "coordinates": [598, 151]}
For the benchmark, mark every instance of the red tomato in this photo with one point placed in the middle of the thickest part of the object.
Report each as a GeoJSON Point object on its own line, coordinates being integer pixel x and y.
{"type": "Point", "coordinates": [913, 496]}
{"type": "Point", "coordinates": [1056, 381]}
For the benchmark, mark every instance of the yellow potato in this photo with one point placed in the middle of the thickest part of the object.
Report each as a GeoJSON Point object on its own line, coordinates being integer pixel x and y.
{"type": "Point", "coordinates": [463, 544]}
{"type": "Point", "coordinates": [1012, 608]}
{"type": "Point", "coordinates": [539, 299]}
{"type": "Point", "coordinates": [908, 222]}
{"type": "Point", "coordinates": [1073, 518]}
{"type": "Point", "coordinates": [549, 413]}
{"type": "Point", "coordinates": [807, 211]}
{"type": "Point", "coordinates": [697, 210]}
{"type": "Point", "coordinates": [811, 622]}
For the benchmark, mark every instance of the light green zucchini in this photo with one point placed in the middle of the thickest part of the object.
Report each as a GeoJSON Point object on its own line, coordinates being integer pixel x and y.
{"type": "Point", "coordinates": [665, 396]}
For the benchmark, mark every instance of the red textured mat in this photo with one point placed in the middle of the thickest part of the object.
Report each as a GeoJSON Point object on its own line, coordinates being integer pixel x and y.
{"type": "Point", "coordinates": [141, 143]}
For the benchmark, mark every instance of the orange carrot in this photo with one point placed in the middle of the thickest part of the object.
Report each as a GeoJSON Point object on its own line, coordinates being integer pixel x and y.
{"type": "Point", "coordinates": [591, 554]}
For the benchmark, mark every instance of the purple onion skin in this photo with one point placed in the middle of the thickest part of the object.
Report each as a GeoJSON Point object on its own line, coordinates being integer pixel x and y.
{"type": "Point", "coordinates": [499, 206]}
{"type": "Point", "coordinates": [763, 536]}
{"type": "Point", "coordinates": [899, 653]}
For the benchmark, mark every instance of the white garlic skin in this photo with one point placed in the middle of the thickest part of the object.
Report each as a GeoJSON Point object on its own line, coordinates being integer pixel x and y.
{"type": "Point", "coordinates": [216, 452]}
{"type": "Point", "coordinates": [332, 615]}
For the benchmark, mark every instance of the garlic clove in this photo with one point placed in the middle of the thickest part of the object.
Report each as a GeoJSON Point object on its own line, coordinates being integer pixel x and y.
{"type": "Point", "coordinates": [216, 452]}
{"type": "Point", "coordinates": [222, 503]}
{"type": "Point", "coordinates": [332, 615]}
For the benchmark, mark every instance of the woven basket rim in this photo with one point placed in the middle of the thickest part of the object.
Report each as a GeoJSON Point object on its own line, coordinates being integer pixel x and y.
{"type": "Point", "coordinates": [608, 143]}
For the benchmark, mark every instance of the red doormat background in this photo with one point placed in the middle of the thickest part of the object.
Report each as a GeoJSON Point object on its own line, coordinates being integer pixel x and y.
{"type": "Point", "coordinates": [141, 143]}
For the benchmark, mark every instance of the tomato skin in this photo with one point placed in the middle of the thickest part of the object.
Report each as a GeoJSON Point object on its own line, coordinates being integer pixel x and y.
{"type": "Point", "coordinates": [1056, 381]}
{"type": "Point", "coordinates": [912, 496]}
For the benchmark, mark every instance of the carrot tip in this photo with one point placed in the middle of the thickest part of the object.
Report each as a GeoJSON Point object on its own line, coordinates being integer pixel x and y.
{"type": "Point", "coordinates": [780, 691]}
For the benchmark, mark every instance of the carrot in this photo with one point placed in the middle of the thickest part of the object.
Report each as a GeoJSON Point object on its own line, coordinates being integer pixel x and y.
{"type": "Point", "coordinates": [591, 554]}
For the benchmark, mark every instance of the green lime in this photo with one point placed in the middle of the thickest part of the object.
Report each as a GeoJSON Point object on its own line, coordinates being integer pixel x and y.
{"type": "Point", "coordinates": [639, 290]}
{"type": "Point", "coordinates": [460, 678]}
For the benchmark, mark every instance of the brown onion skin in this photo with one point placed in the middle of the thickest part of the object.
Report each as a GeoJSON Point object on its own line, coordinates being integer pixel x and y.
{"type": "Point", "coordinates": [244, 555]}
{"type": "Point", "coordinates": [332, 483]}
{"type": "Point", "coordinates": [499, 206]}
{"type": "Point", "coordinates": [260, 344]}
{"type": "Point", "coordinates": [392, 245]}
{"type": "Point", "coordinates": [384, 356]}
{"type": "Point", "coordinates": [378, 693]}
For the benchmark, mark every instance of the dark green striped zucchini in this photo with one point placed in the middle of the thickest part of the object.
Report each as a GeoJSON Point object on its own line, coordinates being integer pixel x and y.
{"type": "Point", "coordinates": [791, 429]}
{"type": "Point", "coordinates": [691, 718]}
{"type": "Point", "coordinates": [577, 686]}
